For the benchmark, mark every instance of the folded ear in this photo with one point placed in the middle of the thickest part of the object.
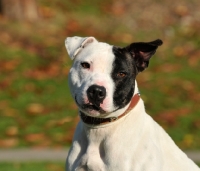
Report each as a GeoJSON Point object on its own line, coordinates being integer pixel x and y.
{"type": "Point", "coordinates": [75, 44]}
{"type": "Point", "coordinates": [142, 52]}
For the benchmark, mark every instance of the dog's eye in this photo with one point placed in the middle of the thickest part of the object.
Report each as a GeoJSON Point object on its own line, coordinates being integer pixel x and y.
{"type": "Point", "coordinates": [121, 74]}
{"type": "Point", "coordinates": [85, 65]}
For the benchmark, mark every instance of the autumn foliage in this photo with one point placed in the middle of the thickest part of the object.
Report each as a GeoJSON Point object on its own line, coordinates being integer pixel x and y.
{"type": "Point", "coordinates": [36, 108]}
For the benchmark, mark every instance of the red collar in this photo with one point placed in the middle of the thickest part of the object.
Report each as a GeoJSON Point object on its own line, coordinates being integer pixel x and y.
{"type": "Point", "coordinates": [102, 121]}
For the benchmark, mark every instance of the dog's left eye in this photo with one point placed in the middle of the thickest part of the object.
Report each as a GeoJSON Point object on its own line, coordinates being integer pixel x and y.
{"type": "Point", "coordinates": [121, 74]}
{"type": "Point", "coordinates": [85, 65]}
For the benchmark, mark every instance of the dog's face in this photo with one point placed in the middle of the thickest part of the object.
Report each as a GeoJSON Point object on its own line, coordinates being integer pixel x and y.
{"type": "Point", "coordinates": [102, 78]}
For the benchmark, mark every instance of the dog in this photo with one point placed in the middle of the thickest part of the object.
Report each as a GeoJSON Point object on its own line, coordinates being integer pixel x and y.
{"type": "Point", "coordinates": [115, 133]}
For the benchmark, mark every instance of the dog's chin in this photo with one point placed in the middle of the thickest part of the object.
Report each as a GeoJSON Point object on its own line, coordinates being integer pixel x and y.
{"type": "Point", "coordinates": [92, 110]}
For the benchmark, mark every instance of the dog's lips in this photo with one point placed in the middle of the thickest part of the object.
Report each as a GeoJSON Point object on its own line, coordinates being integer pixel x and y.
{"type": "Point", "coordinates": [90, 108]}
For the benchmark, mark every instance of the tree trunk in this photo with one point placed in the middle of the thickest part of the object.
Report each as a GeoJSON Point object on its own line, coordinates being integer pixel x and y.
{"type": "Point", "coordinates": [19, 9]}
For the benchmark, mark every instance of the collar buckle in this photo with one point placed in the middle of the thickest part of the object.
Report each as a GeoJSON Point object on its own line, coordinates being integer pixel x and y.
{"type": "Point", "coordinates": [113, 119]}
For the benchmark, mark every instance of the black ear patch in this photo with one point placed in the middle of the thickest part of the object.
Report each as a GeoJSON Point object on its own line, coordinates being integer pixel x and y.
{"type": "Point", "coordinates": [142, 52]}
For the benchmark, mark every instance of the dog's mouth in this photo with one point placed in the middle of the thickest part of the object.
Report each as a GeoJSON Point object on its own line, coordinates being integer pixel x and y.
{"type": "Point", "coordinates": [90, 108]}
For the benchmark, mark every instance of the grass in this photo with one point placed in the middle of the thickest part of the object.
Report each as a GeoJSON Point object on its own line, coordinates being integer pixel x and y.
{"type": "Point", "coordinates": [40, 166]}
{"type": "Point", "coordinates": [32, 166]}
{"type": "Point", "coordinates": [36, 107]}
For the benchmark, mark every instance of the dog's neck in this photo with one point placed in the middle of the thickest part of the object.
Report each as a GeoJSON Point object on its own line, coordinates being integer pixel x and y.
{"type": "Point", "coordinates": [114, 116]}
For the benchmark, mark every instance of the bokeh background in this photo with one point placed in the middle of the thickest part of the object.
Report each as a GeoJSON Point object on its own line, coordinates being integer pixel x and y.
{"type": "Point", "coordinates": [36, 108]}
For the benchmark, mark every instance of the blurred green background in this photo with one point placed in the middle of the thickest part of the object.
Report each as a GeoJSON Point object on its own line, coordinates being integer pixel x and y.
{"type": "Point", "coordinates": [36, 108]}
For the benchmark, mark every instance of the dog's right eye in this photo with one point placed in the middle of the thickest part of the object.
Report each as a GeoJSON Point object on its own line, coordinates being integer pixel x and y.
{"type": "Point", "coordinates": [85, 65]}
{"type": "Point", "coordinates": [121, 74]}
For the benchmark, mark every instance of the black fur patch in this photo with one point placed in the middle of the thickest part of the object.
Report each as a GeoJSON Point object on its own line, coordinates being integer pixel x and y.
{"type": "Point", "coordinates": [124, 86]}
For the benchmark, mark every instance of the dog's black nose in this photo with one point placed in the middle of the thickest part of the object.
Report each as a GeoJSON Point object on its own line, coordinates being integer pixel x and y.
{"type": "Point", "coordinates": [96, 94]}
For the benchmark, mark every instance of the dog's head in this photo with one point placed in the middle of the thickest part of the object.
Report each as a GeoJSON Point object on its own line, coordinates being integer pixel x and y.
{"type": "Point", "coordinates": [102, 78]}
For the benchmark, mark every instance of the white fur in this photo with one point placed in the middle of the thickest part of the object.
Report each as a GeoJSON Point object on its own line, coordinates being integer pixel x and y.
{"type": "Point", "coordinates": [133, 143]}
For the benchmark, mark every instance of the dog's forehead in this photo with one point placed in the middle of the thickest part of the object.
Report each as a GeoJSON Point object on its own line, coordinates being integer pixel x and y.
{"type": "Point", "coordinates": [98, 53]}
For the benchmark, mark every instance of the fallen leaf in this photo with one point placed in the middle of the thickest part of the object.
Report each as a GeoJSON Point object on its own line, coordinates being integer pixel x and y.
{"type": "Point", "coordinates": [9, 65]}
{"type": "Point", "coordinates": [37, 137]}
{"type": "Point", "coordinates": [12, 131]}
{"type": "Point", "coordinates": [35, 109]}
{"type": "Point", "coordinates": [181, 10]}
{"type": "Point", "coordinates": [64, 120]}
{"type": "Point", "coordinates": [10, 142]}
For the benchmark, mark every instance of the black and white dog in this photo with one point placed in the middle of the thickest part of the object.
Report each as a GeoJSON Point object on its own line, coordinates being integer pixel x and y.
{"type": "Point", "coordinates": [115, 133]}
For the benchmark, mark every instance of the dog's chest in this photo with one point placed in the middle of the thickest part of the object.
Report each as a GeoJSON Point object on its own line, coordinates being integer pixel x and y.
{"type": "Point", "coordinates": [100, 151]}
{"type": "Point", "coordinates": [92, 159]}
{"type": "Point", "coordinates": [105, 148]}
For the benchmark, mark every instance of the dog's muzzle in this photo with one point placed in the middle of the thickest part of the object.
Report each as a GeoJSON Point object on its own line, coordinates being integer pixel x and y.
{"type": "Point", "coordinates": [96, 94]}
{"type": "Point", "coordinates": [102, 121]}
